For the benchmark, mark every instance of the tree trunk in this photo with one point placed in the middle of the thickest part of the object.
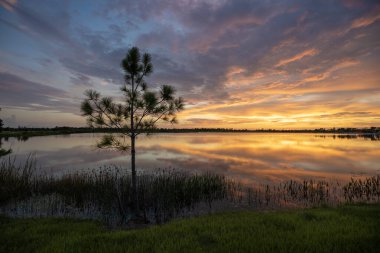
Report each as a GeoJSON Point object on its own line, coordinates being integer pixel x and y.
{"type": "Point", "coordinates": [133, 156]}
{"type": "Point", "coordinates": [134, 183]}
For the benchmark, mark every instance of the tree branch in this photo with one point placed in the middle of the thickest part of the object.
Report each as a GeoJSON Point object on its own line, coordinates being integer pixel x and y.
{"type": "Point", "coordinates": [143, 115]}
{"type": "Point", "coordinates": [109, 118]}
{"type": "Point", "coordinates": [141, 78]}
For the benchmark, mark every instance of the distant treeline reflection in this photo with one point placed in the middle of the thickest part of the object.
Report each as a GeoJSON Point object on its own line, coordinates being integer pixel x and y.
{"type": "Point", "coordinates": [372, 137]}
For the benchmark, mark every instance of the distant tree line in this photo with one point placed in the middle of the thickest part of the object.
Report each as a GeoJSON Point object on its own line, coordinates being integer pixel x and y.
{"type": "Point", "coordinates": [8, 131]}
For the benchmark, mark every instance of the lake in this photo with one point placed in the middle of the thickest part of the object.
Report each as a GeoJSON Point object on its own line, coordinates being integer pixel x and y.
{"type": "Point", "coordinates": [249, 157]}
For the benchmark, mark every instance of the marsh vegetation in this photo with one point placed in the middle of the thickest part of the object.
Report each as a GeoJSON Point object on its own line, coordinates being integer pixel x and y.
{"type": "Point", "coordinates": [105, 194]}
{"type": "Point", "coordinates": [348, 228]}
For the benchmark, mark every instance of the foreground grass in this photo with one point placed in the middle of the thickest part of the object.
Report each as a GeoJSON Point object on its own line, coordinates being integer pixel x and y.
{"type": "Point", "coordinates": [353, 228]}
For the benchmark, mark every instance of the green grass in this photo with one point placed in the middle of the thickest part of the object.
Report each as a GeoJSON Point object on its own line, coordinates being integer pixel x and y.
{"type": "Point", "coordinates": [353, 228]}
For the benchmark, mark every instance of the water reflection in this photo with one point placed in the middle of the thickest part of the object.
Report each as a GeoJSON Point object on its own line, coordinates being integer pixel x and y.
{"type": "Point", "coordinates": [372, 137]}
{"type": "Point", "coordinates": [250, 157]}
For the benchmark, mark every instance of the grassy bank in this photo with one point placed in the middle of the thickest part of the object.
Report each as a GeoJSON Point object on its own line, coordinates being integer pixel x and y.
{"type": "Point", "coordinates": [352, 228]}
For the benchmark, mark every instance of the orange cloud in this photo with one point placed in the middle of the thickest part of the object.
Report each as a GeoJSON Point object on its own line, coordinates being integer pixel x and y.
{"type": "Point", "coordinates": [8, 4]}
{"type": "Point", "coordinates": [297, 57]}
{"type": "Point", "coordinates": [238, 77]}
{"type": "Point", "coordinates": [327, 73]}
{"type": "Point", "coordinates": [323, 96]}
{"type": "Point", "coordinates": [282, 44]}
{"type": "Point", "coordinates": [366, 21]}
{"type": "Point", "coordinates": [233, 71]}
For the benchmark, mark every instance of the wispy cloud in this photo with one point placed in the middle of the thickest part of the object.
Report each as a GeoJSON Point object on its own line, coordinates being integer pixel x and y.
{"type": "Point", "coordinates": [297, 57]}
{"type": "Point", "coordinates": [367, 20]}
{"type": "Point", "coordinates": [8, 4]}
{"type": "Point", "coordinates": [18, 92]}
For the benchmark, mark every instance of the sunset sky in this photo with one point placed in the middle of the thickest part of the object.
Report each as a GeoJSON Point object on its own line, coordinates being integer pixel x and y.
{"type": "Point", "coordinates": [238, 64]}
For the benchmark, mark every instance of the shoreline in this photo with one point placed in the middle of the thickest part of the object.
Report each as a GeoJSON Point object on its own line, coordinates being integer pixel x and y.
{"type": "Point", "coordinates": [31, 132]}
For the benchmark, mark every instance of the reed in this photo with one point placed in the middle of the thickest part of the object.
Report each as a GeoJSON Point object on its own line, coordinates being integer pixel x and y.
{"type": "Point", "coordinates": [105, 193]}
{"type": "Point", "coordinates": [367, 189]}
{"type": "Point", "coordinates": [161, 196]}
{"type": "Point", "coordinates": [16, 181]}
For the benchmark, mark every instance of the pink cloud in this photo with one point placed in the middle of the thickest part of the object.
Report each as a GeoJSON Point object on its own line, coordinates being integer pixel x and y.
{"type": "Point", "coordinates": [297, 57]}
{"type": "Point", "coordinates": [8, 4]}
{"type": "Point", "coordinates": [367, 20]}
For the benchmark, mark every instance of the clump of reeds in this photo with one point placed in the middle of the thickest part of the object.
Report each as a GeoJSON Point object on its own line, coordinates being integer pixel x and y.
{"type": "Point", "coordinates": [161, 195]}
{"type": "Point", "coordinates": [305, 193]}
{"type": "Point", "coordinates": [358, 190]}
{"type": "Point", "coordinates": [16, 181]}
{"type": "Point", "coordinates": [106, 193]}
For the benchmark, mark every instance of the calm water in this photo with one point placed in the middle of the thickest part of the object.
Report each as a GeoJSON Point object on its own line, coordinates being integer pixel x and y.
{"type": "Point", "coordinates": [250, 157]}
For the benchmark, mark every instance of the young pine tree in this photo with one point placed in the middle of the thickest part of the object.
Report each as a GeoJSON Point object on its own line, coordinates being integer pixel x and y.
{"type": "Point", "coordinates": [139, 112]}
